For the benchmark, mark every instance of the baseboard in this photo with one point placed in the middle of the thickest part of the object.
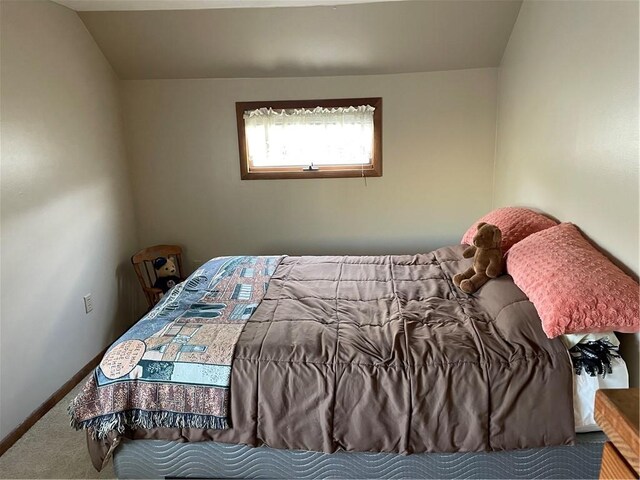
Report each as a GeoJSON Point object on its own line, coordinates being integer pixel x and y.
{"type": "Point", "coordinates": [39, 412]}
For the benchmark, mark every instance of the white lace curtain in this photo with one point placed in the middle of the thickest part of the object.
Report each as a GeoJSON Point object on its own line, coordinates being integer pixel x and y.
{"type": "Point", "coordinates": [301, 137]}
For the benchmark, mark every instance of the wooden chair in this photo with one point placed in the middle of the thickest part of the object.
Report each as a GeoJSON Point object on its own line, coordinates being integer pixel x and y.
{"type": "Point", "coordinates": [143, 265]}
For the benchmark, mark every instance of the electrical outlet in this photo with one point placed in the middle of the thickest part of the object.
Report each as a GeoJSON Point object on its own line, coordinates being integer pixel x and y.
{"type": "Point", "coordinates": [88, 303]}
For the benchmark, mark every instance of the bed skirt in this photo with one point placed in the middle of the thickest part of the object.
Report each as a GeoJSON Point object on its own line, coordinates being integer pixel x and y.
{"type": "Point", "coordinates": [161, 458]}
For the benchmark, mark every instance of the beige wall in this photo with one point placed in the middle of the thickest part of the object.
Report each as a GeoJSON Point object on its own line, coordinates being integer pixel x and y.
{"type": "Point", "coordinates": [567, 139]}
{"type": "Point", "coordinates": [567, 143]}
{"type": "Point", "coordinates": [438, 153]}
{"type": "Point", "coordinates": [66, 207]}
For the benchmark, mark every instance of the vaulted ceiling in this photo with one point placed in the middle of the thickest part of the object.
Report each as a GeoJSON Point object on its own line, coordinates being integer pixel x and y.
{"type": "Point", "coordinates": [343, 39]}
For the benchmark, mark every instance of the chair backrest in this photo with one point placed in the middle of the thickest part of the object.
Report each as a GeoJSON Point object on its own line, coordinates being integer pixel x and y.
{"type": "Point", "coordinates": [143, 265]}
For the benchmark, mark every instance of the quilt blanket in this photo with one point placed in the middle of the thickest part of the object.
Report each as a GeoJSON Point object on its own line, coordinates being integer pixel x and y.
{"type": "Point", "coordinates": [173, 368]}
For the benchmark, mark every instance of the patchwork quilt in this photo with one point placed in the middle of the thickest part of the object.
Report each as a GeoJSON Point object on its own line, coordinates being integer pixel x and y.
{"type": "Point", "coordinates": [173, 368]}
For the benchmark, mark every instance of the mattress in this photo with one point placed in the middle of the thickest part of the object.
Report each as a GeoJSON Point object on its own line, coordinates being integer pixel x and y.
{"type": "Point", "coordinates": [160, 458]}
{"type": "Point", "coordinates": [376, 354]}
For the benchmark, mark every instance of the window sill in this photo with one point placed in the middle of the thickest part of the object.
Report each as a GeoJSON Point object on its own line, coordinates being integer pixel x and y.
{"type": "Point", "coordinates": [355, 173]}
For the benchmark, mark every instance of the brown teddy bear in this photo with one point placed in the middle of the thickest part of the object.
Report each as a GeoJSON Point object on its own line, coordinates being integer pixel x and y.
{"type": "Point", "coordinates": [487, 259]}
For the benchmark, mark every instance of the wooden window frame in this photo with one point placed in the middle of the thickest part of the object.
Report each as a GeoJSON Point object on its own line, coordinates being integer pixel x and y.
{"type": "Point", "coordinates": [347, 171]}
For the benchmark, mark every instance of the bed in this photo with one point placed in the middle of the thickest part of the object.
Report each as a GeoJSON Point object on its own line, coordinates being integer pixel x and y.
{"type": "Point", "coordinates": [376, 367]}
{"type": "Point", "coordinates": [381, 354]}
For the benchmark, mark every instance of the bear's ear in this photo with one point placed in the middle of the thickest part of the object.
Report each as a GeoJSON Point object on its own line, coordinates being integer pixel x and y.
{"type": "Point", "coordinates": [481, 224]}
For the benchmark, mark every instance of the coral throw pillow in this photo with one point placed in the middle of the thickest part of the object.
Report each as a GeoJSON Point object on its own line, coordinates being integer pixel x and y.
{"type": "Point", "coordinates": [516, 224]}
{"type": "Point", "coordinates": [573, 286]}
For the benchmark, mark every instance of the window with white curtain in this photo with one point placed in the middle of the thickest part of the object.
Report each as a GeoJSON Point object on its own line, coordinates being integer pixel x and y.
{"type": "Point", "coordinates": [310, 138]}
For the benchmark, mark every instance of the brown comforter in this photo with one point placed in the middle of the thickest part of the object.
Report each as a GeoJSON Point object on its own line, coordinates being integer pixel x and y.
{"type": "Point", "coordinates": [385, 354]}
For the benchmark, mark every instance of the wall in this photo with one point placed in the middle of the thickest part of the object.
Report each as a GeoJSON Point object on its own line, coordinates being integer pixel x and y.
{"type": "Point", "coordinates": [567, 140]}
{"type": "Point", "coordinates": [567, 143]}
{"type": "Point", "coordinates": [438, 153]}
{"type": "Point", "coordinates": [66, 206]}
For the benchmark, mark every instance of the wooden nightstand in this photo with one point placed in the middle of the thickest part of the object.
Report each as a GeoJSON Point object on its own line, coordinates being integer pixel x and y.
{"type": "Point", "coordinates": [617, 414]}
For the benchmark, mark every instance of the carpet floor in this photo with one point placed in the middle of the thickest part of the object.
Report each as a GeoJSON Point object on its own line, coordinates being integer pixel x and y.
{"type": "Point", "coordinates": [52, 449]}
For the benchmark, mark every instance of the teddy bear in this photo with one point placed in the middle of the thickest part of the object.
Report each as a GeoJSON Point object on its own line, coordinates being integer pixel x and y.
{"type": "Point", "coordinates": [166, 277]}
{"type": "Point", "coordinates": [487, 259]}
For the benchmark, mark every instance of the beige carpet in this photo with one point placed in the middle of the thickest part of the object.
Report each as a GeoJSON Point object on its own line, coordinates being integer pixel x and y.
{"type": "Point", "coordinates": [51, 449]}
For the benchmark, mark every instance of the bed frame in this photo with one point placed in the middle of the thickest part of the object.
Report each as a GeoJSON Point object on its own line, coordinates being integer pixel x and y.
{"type": "Point", "coordinates": [170, 459]}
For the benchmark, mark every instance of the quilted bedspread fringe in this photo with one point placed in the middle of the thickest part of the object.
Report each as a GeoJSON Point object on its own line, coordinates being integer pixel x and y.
{"type": "Point", "coordinates": [99, 427]}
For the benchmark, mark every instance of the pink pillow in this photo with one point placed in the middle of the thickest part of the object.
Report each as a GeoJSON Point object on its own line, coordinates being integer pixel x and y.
{"type": "Point", "coordinates": [573, 286]}
{"type": "Point", "coordinates": [516, 223]}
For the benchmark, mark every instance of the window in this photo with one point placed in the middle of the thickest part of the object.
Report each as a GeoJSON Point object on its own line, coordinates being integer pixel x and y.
{"type": "Point", "coordinates": [310, 138]}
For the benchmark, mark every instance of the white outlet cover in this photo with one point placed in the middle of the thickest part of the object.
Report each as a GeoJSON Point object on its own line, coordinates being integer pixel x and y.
{"type": "Point", "coordinates": [88, 303]}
